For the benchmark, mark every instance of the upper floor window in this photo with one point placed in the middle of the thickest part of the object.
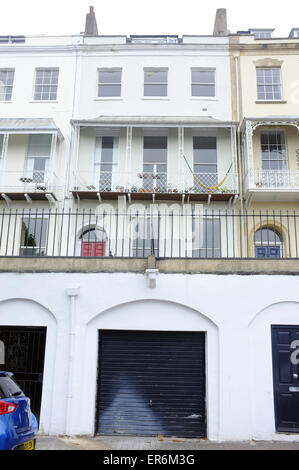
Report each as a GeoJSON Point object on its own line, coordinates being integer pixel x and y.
{"type": "Point", "coordinates": [269, 87]}
{"type": "Point", "coordinates": [38, 157]}
{"type": "Point", "coordinates": [109, 82]}
{"type": "Point", "coordinates": [155, 82]}
{"type": "Point", "coordinates": [105, 161]}
{"type": "Point", "coordinates": [203, 82]}
{"type": "Point", "coordinates": [274, 153]}
{"type": "Point", "coordinates": [205, 160]}
{"type": "Point", "coordinates": [46, 84]}
{"type": "Point", "coordinates": [6, 84]}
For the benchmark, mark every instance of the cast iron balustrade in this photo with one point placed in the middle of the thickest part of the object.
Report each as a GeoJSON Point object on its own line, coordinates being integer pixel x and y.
{"type": "Point", "coordinates": [190, 231]}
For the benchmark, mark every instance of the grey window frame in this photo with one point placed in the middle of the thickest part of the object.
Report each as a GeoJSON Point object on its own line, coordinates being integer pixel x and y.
{"type": "Point", "coordinates": [8, 88]}
{"type": "Point", "coordinates": [52, 87]}
{"type": "Point", "coordinates": [109, 84]}
{"type": "Point", "coordinates": [262, 96]}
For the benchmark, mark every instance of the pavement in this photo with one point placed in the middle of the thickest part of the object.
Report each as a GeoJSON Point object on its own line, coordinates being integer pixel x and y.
{"type": "Point", "coordinates": [153, 443]}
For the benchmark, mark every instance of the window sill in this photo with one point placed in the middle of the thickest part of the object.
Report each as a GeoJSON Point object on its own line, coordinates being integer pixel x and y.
{"type": "Point", "coordinates": [270, 101]}
{"type": "Point", "coordinates": [108, 98]}
{"type": "Point", "coordinates": [204, 98]}
{"type": "Point", "coordinates": [43, 101]}
{"type": "Point", "coordinates": [163, 98]}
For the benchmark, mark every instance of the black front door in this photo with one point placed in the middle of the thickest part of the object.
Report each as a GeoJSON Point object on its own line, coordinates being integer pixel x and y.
{"type": "Point", "coordinates": [24, 356]}
{"type": "Point", "coordinates": [285, 349]}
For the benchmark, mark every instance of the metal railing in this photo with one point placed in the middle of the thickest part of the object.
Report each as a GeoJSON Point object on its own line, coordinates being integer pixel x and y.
{"type": "Point", "coordinates": [157, 182]}
{"type": "Point", "coordinates": [186, 233]}
{"type": "Point", "coordinates": [275, 179]}
{"type": "Point", "coordinates": [28, 181]}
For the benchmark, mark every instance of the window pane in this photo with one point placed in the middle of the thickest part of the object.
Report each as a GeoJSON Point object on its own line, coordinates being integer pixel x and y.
{"type": "Point", "coordinates": [203, 76]}
{"type": "Point", "coordinates": [34, 236]}
{"type": "Point", "coordinates": [203, 90]}
{"type": "Point", "coordinates": [155, 90]}
{"type": "Point", "coordinates": [6, 82]}
{"type": "Point", "coordinates": [205, 150]}
{"type": "Point", "coordinates": [113, 76]}
{"type": "Point", "coordinates": [46, 81]}
{"type": "Point", "coordinates": [153, 76]}
{"type": "Point", "coordinates": [109, 90]}
{"type": "Point", "coordinates": [206, 238]}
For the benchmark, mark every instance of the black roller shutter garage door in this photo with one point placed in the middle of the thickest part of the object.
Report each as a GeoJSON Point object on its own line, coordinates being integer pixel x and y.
{"type": "Point", "coordinates": [151, 383]}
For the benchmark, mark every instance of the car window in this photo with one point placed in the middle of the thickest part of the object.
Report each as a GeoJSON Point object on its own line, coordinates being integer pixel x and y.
{"type": "Point", "coordinates": [9, 388]}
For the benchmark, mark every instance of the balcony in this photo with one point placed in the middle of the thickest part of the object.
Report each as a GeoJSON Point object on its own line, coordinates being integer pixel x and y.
{"type": "Point", "coordinates": [157, 185]}
{"type": "Point", "coordinates": [30, 186]}
{"type": "Point", "coordinates": [276, 184]}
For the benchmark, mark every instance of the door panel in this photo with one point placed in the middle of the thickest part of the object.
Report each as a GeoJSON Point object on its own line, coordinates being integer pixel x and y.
{"type": "Point", "coordinates": [24, 356]}
{"type": "Point", "coordinates": [286, 377]}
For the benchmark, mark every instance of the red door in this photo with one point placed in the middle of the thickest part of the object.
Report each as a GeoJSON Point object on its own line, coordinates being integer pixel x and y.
{"type": "Point", "coordinates": [93, 249]}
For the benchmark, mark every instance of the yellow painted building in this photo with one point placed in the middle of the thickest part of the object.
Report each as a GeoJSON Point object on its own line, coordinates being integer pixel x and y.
{"type": "Point", "coordinates": [265, 94]}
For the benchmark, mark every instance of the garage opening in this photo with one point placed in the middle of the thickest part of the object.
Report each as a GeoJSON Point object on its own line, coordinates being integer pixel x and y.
{"type": "Point", "coordinates": [151, 383]}
{"type": "Point", "coordinates": [24, 356]}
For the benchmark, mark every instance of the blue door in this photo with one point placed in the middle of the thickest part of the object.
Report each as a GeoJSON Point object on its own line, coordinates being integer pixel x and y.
{"type": "Point", "coordinates": [267, 251]}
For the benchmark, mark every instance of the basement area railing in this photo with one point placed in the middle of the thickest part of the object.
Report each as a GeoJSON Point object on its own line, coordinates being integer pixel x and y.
{"type": "Point", "coordinates": [163, 231]}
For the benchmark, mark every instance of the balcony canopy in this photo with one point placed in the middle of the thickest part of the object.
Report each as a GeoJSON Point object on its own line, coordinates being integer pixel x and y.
{"type": "Point", "coordinates": [153, 121]}
{"type": "Point", "coordinates": [29, 126]}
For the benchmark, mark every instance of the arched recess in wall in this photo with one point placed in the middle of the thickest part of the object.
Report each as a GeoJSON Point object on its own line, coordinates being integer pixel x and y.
{"type": "Point", "coordinates": [261, 364]}
{"type": "Point", "coordinates": [21, 312]}
{"type": "Point", "coordinates": [153, 315]}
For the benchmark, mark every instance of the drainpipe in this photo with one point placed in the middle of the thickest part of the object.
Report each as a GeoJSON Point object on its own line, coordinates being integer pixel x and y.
{"type": "Point", "coordinates": [72, 293]}
{"type": "Point", "coordinates": [239, 149]}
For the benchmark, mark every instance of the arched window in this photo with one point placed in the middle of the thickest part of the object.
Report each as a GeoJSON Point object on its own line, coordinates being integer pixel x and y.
{"type": "Point", "coordinates": [93, 242]}
{"type": "Point", "coordinates": [268, 243]}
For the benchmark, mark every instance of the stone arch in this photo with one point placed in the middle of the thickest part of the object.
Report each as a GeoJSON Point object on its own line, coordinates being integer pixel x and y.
{"type": "Point", "coordinates": [28, 312]}
{"type": "Point", "coordinates": [261, 365]}
{"type": "Point", "coordinates": [154, 315]}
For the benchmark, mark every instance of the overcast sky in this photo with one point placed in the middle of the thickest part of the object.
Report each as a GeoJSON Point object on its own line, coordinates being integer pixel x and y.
{"type": "Point", "coordinates": [127, 17]}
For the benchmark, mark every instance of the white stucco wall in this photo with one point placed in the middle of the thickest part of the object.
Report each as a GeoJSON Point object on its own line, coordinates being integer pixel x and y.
{"type": "Point", "coordinates": [237, 324]}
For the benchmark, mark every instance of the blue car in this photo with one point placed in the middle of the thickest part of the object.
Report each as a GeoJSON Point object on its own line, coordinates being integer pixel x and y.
{"type": "Point", "coordinates": [18, 426]}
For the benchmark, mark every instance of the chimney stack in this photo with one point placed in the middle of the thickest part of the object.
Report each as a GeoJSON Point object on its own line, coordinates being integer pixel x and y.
{"type": "Point", "coordinates": [220, 27]}
{"type": "Point", "coordinates": [91, 28]}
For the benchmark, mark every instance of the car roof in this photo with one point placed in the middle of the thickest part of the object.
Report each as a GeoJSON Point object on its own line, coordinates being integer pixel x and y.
{"type": "Point", "coordinates": [5, 373]}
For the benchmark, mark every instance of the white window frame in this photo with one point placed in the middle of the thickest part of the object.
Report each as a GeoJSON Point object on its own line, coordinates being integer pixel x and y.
{"type": "Point", "coordinates": [45, 69]}
{"type": "Point", "coordinates": [110, 69]}
{"type": "Point", "coordinates": [12, 70]}
{"type": "Point", "coordinates": [35, 217]}
{"type": "Point", "coordinates": [97, 164]}
{"type": "Point", "coordinates": [28, 170]}
{"type": "Point", "coordinates": [204, 69]}
{"type": "Point", "coordinates": [275, 131]}
{"type": "Point", "coordinates": [165, 84]}
{"type": "Point", "coordinates": [270, 85]}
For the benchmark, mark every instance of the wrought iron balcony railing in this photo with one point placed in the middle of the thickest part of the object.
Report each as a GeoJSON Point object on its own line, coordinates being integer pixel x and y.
{"type": "Point", "coordinates": [156, 182]}
{"type": "Point", "coordinates": [28, 181]}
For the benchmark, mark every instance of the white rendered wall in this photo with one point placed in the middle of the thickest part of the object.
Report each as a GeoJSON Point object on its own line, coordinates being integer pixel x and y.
{"type": "Point", "coordinates": [236, 313]}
